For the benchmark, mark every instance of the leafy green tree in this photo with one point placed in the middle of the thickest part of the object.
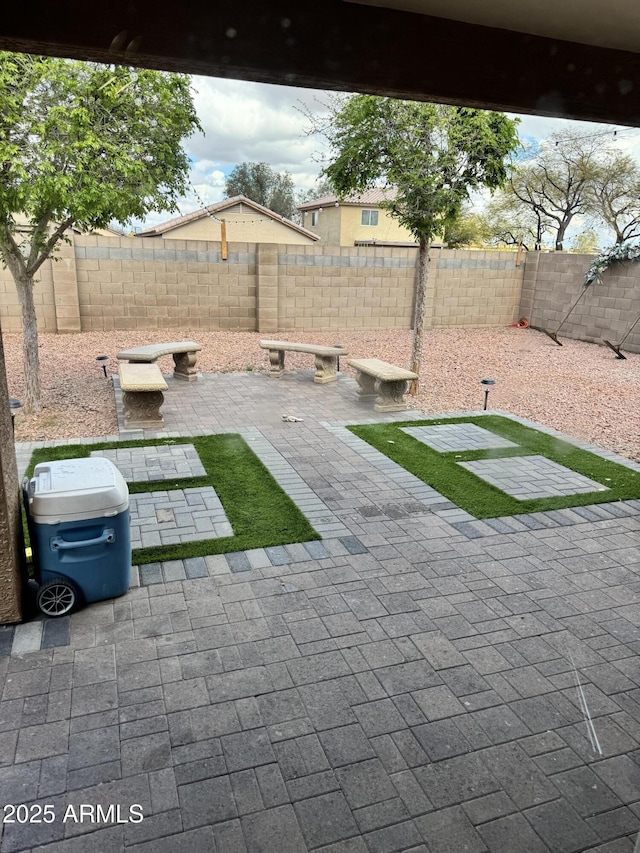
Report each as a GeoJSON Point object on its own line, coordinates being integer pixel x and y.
{"type": "Point", "coordinates": [433, 155]}
{"type": "Point", "coordinates": [262, 184]}
{"type": "Point", "coordinates": [615, 196]}
{"type": "Point", "coordinates": [467, 229]}
{"type": "Point", "coordinates": [81, 145]}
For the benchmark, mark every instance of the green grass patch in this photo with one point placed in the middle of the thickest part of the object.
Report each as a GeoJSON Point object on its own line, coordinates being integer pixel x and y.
{"type": "Point", "coordinates": [259, 511]}
{"type": "Point", "coordinates": [479, 498]}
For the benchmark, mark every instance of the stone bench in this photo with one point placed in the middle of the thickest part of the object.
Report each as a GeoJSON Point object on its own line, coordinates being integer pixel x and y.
{"type": "Point", "coordinates": [183, 352]}
{"type": "Point", "coordinates": [383, 382]}
{"type": "Point", "coordinates": [142, 386]}
{"type": "Point", "coordinates": [326, 358]}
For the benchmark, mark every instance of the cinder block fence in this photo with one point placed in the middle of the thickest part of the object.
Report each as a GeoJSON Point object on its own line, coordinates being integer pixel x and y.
{"type": "Point", "coordinates": [116, 283]}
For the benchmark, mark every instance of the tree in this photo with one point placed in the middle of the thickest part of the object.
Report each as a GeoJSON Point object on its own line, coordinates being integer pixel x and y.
{"type": "Point", "coordinates": [585, 243]}
{"type": "Point", "coordinates": [615, 196]}
{"type": "Point", "coordinates": [322, 188]}
{"type": "Point", "coordinates": [81, 145]}
{"type": "Point", "coordinates": [511, 222]}
{"type": "Point", "coordinates": [467, 229]}
{"type": "Point", "coordinates": [432, 155]}
{"type": "Point", "coordinates": [558, 184]}
{"type": "Point", "coordinates": [262, 184]}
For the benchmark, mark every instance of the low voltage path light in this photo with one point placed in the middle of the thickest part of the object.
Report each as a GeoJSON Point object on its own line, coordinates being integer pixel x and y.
{"type": "Point", "coordinates": [338, 346]}
{"type": "Point", "coordinates": [101, 359]}
{"type": "Point", "coordinates": [14, 405]}
{"type": "Point", "coordinates": [486, 385]}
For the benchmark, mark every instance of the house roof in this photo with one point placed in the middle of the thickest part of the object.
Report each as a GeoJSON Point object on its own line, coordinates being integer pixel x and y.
{"type": "Point", "coordinates": [220, 207]}
{"type": "Point", "coordinates": [369, 198]}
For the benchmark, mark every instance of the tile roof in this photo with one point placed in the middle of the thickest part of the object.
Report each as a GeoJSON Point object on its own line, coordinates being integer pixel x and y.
{"type": "Point", "coordinates": [369, 197]}
{"type": "Point", "coordinates": [218, 207]}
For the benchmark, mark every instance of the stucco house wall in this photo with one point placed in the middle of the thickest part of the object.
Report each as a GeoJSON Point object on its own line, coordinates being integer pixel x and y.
{"type": "Point", "coordinates": [339, 221]}
{"type": "Point", "coordinates": [244, 225]}
{"type": "Point", "coordinates": [341, 225]}
{"type": "Point", "coordinates": [327, 226]}
{"type": "Point", "coordinates": [246, 222]}
{"type": "Point", "coordinates": [387, 228]}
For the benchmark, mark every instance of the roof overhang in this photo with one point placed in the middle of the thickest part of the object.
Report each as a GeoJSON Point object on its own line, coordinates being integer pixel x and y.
{"type": "Point", "coordinates": [369, 48]}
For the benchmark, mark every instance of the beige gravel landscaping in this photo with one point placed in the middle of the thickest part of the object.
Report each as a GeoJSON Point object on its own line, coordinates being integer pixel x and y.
{"type": "Point", "coordinates": [579, 388]}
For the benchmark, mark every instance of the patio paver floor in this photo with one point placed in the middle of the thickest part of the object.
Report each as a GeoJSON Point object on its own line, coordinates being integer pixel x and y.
{"type": "Point", "coordinates": [407, 683]}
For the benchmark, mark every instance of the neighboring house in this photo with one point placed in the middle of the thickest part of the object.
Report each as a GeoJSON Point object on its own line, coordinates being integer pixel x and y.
{"type": "Point", "coordinates": [245, 221]}
{"type": "Point", "coordinates": [355, 220]}
{"type": "Point", "coordinates": [109, 231]}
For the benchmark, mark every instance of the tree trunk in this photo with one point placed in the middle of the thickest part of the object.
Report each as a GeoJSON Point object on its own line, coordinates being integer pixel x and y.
{"type": "Point", "coordinates": [560, 236]}
{"type": "Point", "coordinates": [30, 355]}
{"type": "Point", "coordinates": [538, 246]}
{"type": "Point", "coordinates": [422, 273]}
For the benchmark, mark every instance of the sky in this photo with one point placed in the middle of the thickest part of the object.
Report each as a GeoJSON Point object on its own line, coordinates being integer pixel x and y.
{"type": "Point", "coordinates": [257, 122]}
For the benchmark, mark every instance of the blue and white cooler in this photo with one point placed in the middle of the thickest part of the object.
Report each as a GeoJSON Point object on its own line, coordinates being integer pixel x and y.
{"type": "Point", "coordinates": [78, 514]}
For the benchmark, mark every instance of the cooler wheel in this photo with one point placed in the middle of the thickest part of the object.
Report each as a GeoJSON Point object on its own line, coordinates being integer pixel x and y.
{"type": "Point", "coordinates": [57, 597]}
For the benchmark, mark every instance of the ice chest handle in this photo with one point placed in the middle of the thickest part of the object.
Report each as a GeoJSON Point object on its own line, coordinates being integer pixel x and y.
{"type": "Point", "coordinates": [60, 544]}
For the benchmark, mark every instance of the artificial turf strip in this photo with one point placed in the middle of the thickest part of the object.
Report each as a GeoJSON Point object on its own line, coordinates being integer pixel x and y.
{"type": "Point", "coordinates": [260, 512]}
{"type": "Point", "coordinates": [476, 496]}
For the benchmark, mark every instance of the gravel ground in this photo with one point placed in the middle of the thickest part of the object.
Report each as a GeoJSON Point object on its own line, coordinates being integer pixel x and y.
{"type": "Point", "coordinates": [579, 388]}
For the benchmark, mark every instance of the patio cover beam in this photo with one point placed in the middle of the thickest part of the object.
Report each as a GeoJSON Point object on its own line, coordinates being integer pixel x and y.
{"type": "Point", "coordinates": [341, 46]}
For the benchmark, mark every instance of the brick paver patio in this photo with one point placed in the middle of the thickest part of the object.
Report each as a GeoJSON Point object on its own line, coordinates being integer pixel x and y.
{"type": "Point", "coordinates": [409, 683]}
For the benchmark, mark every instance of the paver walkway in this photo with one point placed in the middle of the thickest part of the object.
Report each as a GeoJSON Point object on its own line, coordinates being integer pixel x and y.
{"type": "Point", "coordinates": [409, 683]}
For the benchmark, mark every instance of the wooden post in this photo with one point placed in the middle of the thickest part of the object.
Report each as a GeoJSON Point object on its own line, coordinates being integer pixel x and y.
{"type": "Point", "coordinates": [223, 238]}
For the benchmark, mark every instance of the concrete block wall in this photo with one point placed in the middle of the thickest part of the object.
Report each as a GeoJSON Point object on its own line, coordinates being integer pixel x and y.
{"type": "Point", "coordinates": [114, 283]}
{"type": "Point", "coordinates": [605, 311]}
{"type": "Point", "coordinates": [110, 283]}
{"type": "Point", "coordinates": [266, 318]}
{"type": "Point", "coordinates": [43, 295]}
{"type": "Point", "coordinates": [333, 287]}
{"type": "Point", "coordinates": [147, 283]}
{"type": "Point", "coordinates": [473, 288]}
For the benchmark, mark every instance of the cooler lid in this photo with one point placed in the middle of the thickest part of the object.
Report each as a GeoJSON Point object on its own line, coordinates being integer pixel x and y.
{"type": "Point", "coordinates": [72, 489]}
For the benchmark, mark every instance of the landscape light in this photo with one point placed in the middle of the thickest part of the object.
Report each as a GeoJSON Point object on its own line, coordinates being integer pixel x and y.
{"type": "Point", "coordinates": [14, 405]}
{"type": "Point", "coordinates": [101, 359]}
{"type": "Point", "coordinates": [486, 384]}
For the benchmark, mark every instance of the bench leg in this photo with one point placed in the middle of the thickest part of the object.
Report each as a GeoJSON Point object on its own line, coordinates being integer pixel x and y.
{"type": "Point", "coordinates": [390, 396]}
{"type": "Point", "coordinates": [185, 366]}
{"type": "Point", "coordinates": [276, 363]}
{"type": "Point", "coordinates": [326, 369]}
{"type": "Point", "coordinates": [142, 409]}
{"type": "Point", "coordinates": [366, 387]}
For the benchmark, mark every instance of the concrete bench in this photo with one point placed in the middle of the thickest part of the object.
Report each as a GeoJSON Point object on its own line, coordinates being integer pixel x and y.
{"type": "Point", "coordinates": [142, 386]}
{"type": "Point", "coordinates": [183, 352]}
{"type": "Point", "coordinates": [326, 358]}
{"type": "Point", "coordinates": [383, 382]}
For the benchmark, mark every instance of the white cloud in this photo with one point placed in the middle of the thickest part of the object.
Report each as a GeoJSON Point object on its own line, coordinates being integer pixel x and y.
{"type": "Point", "coordinates": [245, 121]}
{"type": "Point", "coordinates": [255, 122]}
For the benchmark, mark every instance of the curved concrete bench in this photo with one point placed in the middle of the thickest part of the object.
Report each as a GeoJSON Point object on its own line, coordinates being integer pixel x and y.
{"type": "Point", "coordinates": [142, 386]}
{"type": "Point", "coordinates": [183, 352]}
{"type": "Point", "coordinates": [383, 382]}
{"type": "Point", "coordinates": [326, 358]}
